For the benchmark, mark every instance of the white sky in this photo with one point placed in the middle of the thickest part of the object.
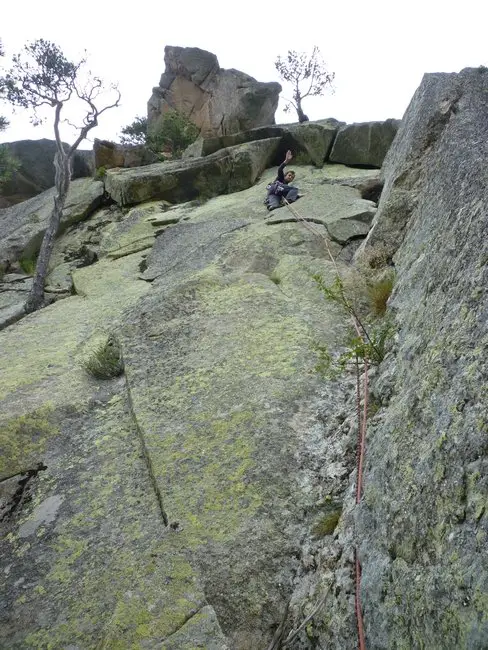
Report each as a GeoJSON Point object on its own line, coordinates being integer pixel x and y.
{"type": "Point", "coordinates": [379, 49]}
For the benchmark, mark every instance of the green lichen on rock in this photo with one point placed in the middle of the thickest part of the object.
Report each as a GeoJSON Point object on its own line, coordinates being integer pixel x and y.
{"type": "Point", "coordinates": [218, 364]}
{"type": "Point", "coordinates": [106, 562]}
{"type": "Point", "coordinates": [23, 440]}
{"type": "Point", "coordinates": [423, 533]}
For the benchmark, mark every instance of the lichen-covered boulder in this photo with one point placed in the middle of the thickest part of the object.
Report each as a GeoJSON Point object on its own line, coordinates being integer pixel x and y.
{"type": "Point", "coordinates": [22, 226]}
{"type": "Point", "coordinates": [311, 142]}
{"type": "Point", "coordinates": [365, 143]}
{"type": "Point", "coordinates": [218, 101]}
{"type": "Point", "coordinates": [139, 494]}
{"type": "Point", "coordinates": [227, 170]}
{"type": "Point", "coordinates": [206, 146]}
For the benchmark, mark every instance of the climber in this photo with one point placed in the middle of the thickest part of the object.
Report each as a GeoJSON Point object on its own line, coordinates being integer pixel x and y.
{"type": "Point", "coordinates": [281, 188]}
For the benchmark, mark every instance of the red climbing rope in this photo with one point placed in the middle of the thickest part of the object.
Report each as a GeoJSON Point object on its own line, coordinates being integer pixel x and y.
{"type": "Point", "coordinates": [362, 425]}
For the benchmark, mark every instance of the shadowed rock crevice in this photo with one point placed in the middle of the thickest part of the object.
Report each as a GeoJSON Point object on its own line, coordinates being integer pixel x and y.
{"type": "Point", "coordinates": [147, 458]}
{"type": "Point", "coordinates": [11, 501]}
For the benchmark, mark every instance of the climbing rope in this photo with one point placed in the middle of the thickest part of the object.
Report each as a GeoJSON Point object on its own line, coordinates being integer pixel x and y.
{"type": "Point", "coordinates": [362, 426]}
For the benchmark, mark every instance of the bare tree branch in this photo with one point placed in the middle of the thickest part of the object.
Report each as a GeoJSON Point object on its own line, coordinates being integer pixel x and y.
{"type": "Point", "coordinates": [298, 67]}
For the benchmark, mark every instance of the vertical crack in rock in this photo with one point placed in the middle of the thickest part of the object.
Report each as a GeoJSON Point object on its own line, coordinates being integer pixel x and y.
{"type": "Point", "coordinates": [147, 457]}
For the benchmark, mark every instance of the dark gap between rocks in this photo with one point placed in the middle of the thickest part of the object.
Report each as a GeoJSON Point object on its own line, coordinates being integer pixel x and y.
{"type": "Point", "coordinates": [22, 495]}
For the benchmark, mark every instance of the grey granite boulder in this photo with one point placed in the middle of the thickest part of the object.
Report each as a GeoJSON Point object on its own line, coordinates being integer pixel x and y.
{"type": "Point", "coordinates": [109, 154]}
{"type": "Point", "coordinates": [227, 170]}
{"type": "Point", "coordinates": [310, 142]}
{"type": "Point", "coordinates": [364, 144]}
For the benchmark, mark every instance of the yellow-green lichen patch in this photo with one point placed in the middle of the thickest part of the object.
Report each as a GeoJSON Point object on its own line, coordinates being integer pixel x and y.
{"type": "Point", "coordinates": [201, 630]}
{"type": "Point", "coordinates": [23, 440]}
{"type": "Point", "coordinates": [206, 422]}
{"type": "Point", "coordinates": [135, 232]}
{"type": "Point", "coordinates": [169, 598]}
{"type": "Point", "coordinates": [106, 575]}
{"type": "Point", "coordinates": [106, 278]}
{"type": "Point", "coordinates": [206, 474]}
{"type": "Point", "coordinates": [263, 340]}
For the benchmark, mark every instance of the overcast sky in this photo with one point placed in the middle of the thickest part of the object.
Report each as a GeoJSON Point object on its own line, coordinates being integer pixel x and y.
{"type": "Point", "coordinates": [379, 49]}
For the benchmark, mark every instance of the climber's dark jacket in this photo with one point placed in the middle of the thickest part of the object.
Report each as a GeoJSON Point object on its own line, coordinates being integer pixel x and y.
{"type": "Point", "coordinates": [279, 187]}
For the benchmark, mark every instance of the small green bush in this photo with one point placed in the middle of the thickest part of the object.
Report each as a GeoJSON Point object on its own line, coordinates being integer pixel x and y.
{"type": "Point", "coordinates": [102, 357]}
{"type": "Point", "coordinates": [174, 134]}
{"type": "Point", "coordinates": [100, 173]}
{"type": "Point", "coordinates": [369, 343]}
{"type": "Point", "coordinates": [135, 133]}
{"type": "Point", "coordinates": [28, 265]}
{"type": "Point", "coordinates": [379, 291]}
{"type": "Point", "coordinates": [373, 348]}
{"type": "Point", "coordinates": [274, 277]}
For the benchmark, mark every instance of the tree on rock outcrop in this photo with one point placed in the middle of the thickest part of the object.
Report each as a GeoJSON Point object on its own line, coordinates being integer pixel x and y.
{"type": "Point", "coordinates": [42, 76]}
{"type": "Point", "coordinates": [307, 75]}
{"type": "Point", "coordinates": [135, 132]}
{"type": "Point", "coordinates": [175, 133]}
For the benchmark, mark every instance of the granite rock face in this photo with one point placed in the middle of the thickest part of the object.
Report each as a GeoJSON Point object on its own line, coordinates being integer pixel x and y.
{"type": "Point", "coordinates": [227, 170]}
{"type": "Point", "coordinates": [422, 526]}
{"type": "Point", "coordinates": [22, 226]}
{"type": "Point", "coordinates": [109, 154]}
{"type": "Point", "coordinates": [310, 141]}
{"type": "Point", "coordinates": [357, 145]}
{"type": "Point", "coordinates": [206, 497]}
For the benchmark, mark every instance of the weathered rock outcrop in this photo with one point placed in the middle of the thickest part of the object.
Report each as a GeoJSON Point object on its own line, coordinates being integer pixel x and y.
{"type": "Point", "coordinates": [109, 154]}
{"type": "Point", "coordinates": [310, 141]}
{"type": "Point", "coordinates": [22, 226]}
{"type": "Point", "coordinates": [218, 101]}
{"type": "Point", "coordinates": [356, 145]}
{"type": "Point", "coordinates": [36, 172]}
{"type": "Point", "coordinates": [364, 144]}
{"type": "Point", "coordinates": [423, 524]}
